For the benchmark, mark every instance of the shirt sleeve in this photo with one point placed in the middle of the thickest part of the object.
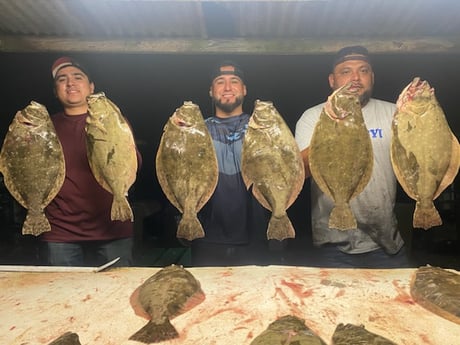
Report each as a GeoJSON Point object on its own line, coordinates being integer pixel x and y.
{"type": "Point", "coordinates": [306, 125]}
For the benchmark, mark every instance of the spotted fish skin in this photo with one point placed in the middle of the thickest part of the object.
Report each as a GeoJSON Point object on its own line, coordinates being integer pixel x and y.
{"type": "Point", "coordinates": [186, 167]}
{"type": "Point", "coordinates": [437, 290]}
{"type": "Point", "coordinates": [425, 154]}
{"type": "Point", "coordinates": [111, 152]}
{"type": "Point", "coordinates": [352, 334]}
{"type": "Point", "coordinates": [68, 338]}
{"type": "Point", "coordinates": [288, 330]}
{"type": "Point", "coordinates": [32, 164]}
{"type": "Point", "coordinates": [271, 163]}
{"type": "Point", "coordinates": [341, 156]}
{"type": "Point", "coordinates": [168, 293]}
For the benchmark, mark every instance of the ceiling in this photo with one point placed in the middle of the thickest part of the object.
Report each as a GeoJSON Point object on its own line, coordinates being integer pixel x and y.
{"type": "Point", "coordinates": [226, 26]}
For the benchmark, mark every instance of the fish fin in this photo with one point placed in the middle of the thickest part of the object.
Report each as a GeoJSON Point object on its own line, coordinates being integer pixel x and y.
{"type": "Point", "coordinates": [280, 228]}
{"type": "Point", "coordinates": [154, 333]}
{"type": "Point", "coordinates": [192, 302]}
{"type": "Point", "coordinates": [137, 306]}
{"type": "Point", "coordinates": [426, 217]}
{"type": "Point", "coordinates": [190, 227]}
{"type": "Point", "coordinates": [121, 210]}
{"type": "Point", "coordinates": [342, 218]}
{"type": "Point", "coordinates": [35, 224]}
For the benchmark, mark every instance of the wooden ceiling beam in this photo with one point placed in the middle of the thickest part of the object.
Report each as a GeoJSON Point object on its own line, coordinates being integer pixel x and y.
{"type": "Point", "coordinates": [288, 46]}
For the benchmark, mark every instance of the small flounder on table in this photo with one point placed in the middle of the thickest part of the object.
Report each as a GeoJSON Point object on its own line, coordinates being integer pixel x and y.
{"type": "Point", "coordinates": [341, 156]}
{"type": "Point", "coordinates": [111, 152]}
{"type": "Point", "coordinates": [68, 338]}
{"type": "Point", "coordinates": [351, 334]}
{"type": "Point", "coordinates": [425, 154]}
{"type": "Point", "coordinates": [32, 164]}
{"type": "Point", "coordinates": [288, 330]}
{"type": "Point", "coordinates": [271, 163]}
{"type": "Point", "coordinates": [170, 292]}
{"type": "Point", "coordinates": [186, 167]}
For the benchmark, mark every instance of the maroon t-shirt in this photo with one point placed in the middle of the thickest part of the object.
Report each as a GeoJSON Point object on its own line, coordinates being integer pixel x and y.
{"type": "Point", "coordinates": [81, 209]}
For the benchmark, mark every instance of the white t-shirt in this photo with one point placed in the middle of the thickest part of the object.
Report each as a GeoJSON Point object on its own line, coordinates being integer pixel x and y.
{"type": "Point", "coordinates": [374, 207]}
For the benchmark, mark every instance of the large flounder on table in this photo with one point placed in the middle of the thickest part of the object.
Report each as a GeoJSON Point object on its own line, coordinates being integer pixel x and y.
{"type": "Point", "coordinates": [32, 164]}
{"type": "Point", "coordinates": [341, 155]}
{"type": "Point", "coordinates": [170, 292]}
{"type": "Point", "coordinates": [111, 152]}
{"type": "Point", "coordinates": [186, 166]}
{"type": "Point", "coordinates": [271, 163]}
{"type": "Point", "coordinates": [425, 154]}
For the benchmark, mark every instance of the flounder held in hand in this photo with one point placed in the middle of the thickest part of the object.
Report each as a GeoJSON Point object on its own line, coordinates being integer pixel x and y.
{"type": "Point", "coordinates": [425, 154]}
{"type": "Point", "coordinates": [186, 166]}
{"type": "Point", "coordinates": [341, 155]}
{"type": "Point", "coordinates": [272, 164]}
{"type": "Point", "coordinates": [32, 164]}
{"type": "Point", "coordinates": [288, 330]}
{"type": "Point", "coordinates": [351, 334]}
{"type": "Point", "coordinates": [168, 293]}
{"type": "Point", "coordinates": [111, 152]}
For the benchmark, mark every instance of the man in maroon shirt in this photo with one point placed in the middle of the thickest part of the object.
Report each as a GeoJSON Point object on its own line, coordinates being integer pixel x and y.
{"type": "Point", "coordinates": [82, 232]}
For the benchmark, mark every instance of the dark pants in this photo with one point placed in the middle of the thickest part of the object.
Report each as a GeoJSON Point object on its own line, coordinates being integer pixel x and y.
{"type": "Point", "coordinates": [87, 253]}
{"type": "Point", "coordinates": [331, 257]}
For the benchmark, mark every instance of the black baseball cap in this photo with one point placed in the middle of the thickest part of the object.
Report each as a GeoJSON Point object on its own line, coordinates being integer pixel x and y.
{"type": "Point", "coordinates": [217, 70]}
{"type": "Point", "coordinates": [351, 53]}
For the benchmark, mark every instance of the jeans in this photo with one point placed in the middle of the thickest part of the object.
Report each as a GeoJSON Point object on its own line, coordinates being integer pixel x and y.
{"type": "Point", "coordinates": [87, 253]}
{"type": "Point", "coordinates": [331, 257]}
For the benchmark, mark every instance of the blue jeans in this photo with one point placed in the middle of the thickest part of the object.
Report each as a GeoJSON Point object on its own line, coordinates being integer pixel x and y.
{"type": "Point", "coordinates": [87, 253]}
{"type": "Point", "coordinates": [331, 257]}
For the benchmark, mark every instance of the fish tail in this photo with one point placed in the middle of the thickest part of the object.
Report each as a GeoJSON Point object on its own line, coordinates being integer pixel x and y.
{"type": "Point", "coordinates": [280, 228]}
{"type": "Point", "coordinates": [154, 333]}
{"type": "Point", "coordinates": [190, 227]}
{"type": "Point", "coordinates": [35, 224]}
{"type": "Point", "coordinates": [342, 218]}
{"type": "Point", "coordinates": [426, 217]}
{"type": "Point", "coordinates": [121, 210]}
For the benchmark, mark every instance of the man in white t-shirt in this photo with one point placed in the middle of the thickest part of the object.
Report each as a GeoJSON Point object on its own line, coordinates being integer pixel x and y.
{"type": "Point", "coordinates": [376, 243]}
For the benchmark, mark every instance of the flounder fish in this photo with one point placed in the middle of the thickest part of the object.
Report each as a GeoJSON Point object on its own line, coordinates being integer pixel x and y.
{"type": "Point", "coordinates": [68, 338]}
{"type": "Point", "coordinates": [425, 154]}
{"type": "Point", "coordinates": [288, 330]}
{"type": "Point", "coordinates": [271, 163]}
{"type": "Point", "coordinates": [32, 164]}
{"type": "Point", "coordinates": [186, 166]}
{"type": "Point", "coordinates": [111, 152]}
{"type": "Point", "coordinates": [351, 334]}
{"type": "Point", "coordinates": [437, 290]}
{"type": "Point", "coordinates": [341, 156]}
{"type": "Point", "coordinates": [168, 293]}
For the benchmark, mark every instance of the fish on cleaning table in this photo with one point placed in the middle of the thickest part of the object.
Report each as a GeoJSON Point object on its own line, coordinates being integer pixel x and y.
{"type": "Point", "coordinates": [32, 164]}
{"type": "Point", "coordinates": [186, 167]}
{"type": "Point", "coordinates": [341, 156]}
{"type": "Point", "coordinates": [351, 334]}
{"type": "Point", "coordinates": [68, 338]}
{"type": "Point", "coordinates": [111, 152]}
{"type": "Point", "coordinates": [168, 293]}
{"type": "Point", "coordinates": [288, 330]}
{"type": "Point", "coordinates": [271, 163]}
{"type": "Point", "coordinates": [425, 154]}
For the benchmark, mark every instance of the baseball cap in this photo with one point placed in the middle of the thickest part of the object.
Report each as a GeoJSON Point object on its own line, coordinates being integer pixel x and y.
{"type": "Point", "coordinates": [65, 61]}
{"type": "Point", "coordinates": [351, 53]}
{"type": "Point", "coordinates": [217, 70]}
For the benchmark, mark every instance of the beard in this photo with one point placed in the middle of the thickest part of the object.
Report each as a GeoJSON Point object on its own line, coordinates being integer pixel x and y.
{"type": "Point", "coordinates": [365, 97]}
{"type": "Point", "coordinates": [228, 107]}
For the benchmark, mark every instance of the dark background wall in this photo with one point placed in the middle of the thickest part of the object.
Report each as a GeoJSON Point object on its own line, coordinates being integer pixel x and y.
{"type": "Point", "coordinates": [148, 88]}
